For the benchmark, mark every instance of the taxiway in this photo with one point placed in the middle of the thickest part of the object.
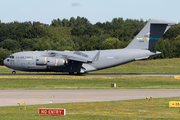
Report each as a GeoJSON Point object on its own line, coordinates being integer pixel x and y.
{"type": "Point", "coordinates": [32, 97]}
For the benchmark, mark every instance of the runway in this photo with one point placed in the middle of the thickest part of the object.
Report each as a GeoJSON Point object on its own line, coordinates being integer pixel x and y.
{"type": "Point", "coordinates": [32, 97]}
{"type": "Point", "coordinates": [93, 74]}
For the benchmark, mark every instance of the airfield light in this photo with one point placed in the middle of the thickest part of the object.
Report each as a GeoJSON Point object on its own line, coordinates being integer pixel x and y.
{"type": "Point", "coordinates": [19, 105]}
{"type": "Point", "coordinates": [152, 98]}
{"type": "Point", "coordinates": [24, 103]}
{"type": "Point", "coordinates": [147, 99]}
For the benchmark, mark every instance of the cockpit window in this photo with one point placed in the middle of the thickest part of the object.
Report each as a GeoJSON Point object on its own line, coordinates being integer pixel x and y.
{"type": "Point", "coordinates": [12, 57]}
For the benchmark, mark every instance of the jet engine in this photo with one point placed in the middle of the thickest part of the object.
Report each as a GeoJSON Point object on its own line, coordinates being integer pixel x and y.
{"type": "Point", "coordinates": [55, 62]}
{"type": "Point", "coordinates": [41, 61]}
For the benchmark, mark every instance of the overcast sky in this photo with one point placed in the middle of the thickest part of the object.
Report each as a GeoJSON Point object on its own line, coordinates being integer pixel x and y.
{"type": "Point", "coordinates": [45, 11]}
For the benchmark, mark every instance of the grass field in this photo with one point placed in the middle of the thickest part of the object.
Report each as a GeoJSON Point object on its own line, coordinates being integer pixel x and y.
{"type": "Point", "coordinates": [129, 109]}
{"type": "Point", "coordinates": [87, 82]}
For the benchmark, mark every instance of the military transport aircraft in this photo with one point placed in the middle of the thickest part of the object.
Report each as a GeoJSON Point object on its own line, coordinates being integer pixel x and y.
{"type": "Point", "coordinates": [85, 61]}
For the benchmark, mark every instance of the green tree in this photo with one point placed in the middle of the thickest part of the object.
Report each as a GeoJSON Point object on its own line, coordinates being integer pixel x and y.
{"type": "Point", "coordinates": [27, 44]}
{"type": "Point", "coordinates": [91, 43]}
{"type": "Point", "coordinates": [72, 22]}
{"type": "Point", "coordinates": [66, 44]}
{"type": "Point", "coordinates": [43, 44]}
{"type": "Point", "coordinates": [57, 33]}
{"type": "Point", "coordinates": [56, 23]}
{"type": "Point", "coordinates": [65, 22]}
{"type": "Point", "coordinates": [76, 31]}
{"type": "Point", "coordinates": [91, 31]}
{"type": "Point", "coordinates": [10, 44]}
{"type": "Point", "coordinates": [111, 43]}
{"type": "Point", "coordinates": [4, 53]}
{"type": "Point", "coordinates": [34, 32]}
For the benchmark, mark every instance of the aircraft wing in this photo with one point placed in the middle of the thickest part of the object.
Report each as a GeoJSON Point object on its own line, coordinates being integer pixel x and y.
{"type": "Point", "coordinates": [76, 56]}
{"type": "Point", "coordinates": [80, 59]}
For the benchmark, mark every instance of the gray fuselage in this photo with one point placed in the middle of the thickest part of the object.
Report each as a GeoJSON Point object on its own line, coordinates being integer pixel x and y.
{"type": "Point", "coordinates": [27, 61]}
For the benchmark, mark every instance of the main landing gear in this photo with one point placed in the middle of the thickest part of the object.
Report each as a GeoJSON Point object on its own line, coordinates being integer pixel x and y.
{"type": "Point", "coordinates": [13, 72]}
{"type": "Point", "coordinates": [72, 73]}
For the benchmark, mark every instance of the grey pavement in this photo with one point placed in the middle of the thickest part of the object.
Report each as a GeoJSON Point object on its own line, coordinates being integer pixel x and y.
{"type": "Point", "coordinates": [32, 97]}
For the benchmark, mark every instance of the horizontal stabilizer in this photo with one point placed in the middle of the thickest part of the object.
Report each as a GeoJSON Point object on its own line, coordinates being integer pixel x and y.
{"type": "Point", "coordinates": [142, 58]}
{"type": "Point", "coordinates": [151, 53]}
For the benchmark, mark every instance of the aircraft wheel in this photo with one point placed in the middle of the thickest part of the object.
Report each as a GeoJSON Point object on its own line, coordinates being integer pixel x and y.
{"type": "Point", "coordinates": [71, 73]}
{"type": "Point", "coordinates": [13, 72]}
{"type": "Point", "coordinates": [78, 73]}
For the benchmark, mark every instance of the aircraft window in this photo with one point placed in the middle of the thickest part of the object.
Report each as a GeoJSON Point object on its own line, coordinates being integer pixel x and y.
{"type": "Point", "coordinates": [8, 60]}
{"type": "Point", "coordinates": [12, 57]}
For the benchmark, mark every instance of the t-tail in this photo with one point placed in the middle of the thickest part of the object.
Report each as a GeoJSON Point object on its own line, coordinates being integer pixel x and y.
{"type": "Point", "coordinates": [150, 34]}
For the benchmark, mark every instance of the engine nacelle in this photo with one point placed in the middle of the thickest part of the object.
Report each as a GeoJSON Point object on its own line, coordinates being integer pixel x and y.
{"type": "Point", "coordinates": [55, 62]}
{"type": "Point", "coordinates": [41, 61]}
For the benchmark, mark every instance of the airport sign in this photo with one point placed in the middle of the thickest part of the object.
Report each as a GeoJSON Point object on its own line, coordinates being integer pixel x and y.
{"type": "Point", "coordinates": [174, 104]}
{"type": "Point", "coordinates": [52, 111]}
{"type": "Point", "coordinates": [176, 77]}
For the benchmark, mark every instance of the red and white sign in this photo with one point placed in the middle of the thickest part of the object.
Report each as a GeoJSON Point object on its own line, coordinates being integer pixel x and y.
{"type": "Point", "coordinates": [51, 111]}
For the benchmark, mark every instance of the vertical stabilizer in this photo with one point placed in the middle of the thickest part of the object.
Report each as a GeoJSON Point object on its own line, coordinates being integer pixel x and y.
{"type": "Point", "coordinates": [150, 34]}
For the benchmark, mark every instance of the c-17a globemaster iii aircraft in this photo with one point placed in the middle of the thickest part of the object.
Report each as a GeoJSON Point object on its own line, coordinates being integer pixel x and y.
{"type": "Point", "coordinates": [85, 61]}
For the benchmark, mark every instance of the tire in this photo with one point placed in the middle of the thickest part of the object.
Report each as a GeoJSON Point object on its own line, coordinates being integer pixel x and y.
{"type": "Point", "coordinates": [13, 72]}
{"type": "Point", "coordinates": [71, 73]}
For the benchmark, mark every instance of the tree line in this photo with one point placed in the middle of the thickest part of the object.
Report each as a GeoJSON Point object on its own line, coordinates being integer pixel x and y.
{"type": "Point", "coordinates": [78, 34]}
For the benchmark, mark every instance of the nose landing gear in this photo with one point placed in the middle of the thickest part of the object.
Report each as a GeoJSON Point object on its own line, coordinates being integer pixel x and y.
{"type": "Point", "coordinates": [13, 72]}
